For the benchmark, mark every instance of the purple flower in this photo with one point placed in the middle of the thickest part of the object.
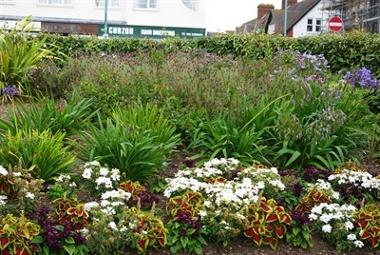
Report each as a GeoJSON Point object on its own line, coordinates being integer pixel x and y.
{"type": "Point", "coordinates": [10, 91]}
{"type": "Point", "coordinates": [362, 77]}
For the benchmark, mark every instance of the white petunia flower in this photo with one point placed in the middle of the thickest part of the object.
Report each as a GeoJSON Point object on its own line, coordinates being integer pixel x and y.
{"type": "Point", "coordinates": [359, 244]}
{"type": "Point", "coordinates": [351, 237]}
{"type": "Point", "coordinates": [30, 195]}
{"type": "Point", "coordinates": [349, 225]}
{"type": "Point", "coordinates": [88, 206]}
{"type": "Point", "coordinates": [87, 172]}
{"type": "Point", "coordinates": [326, 228]}
{"type": "Point", "coordinates": [3, 171]}
{"type": "Point", "coordinates": [103, 171]}
{"type": "Point", "coordinates": [3, 200]}
{"type": "Point", "coordinates": [112, 225]}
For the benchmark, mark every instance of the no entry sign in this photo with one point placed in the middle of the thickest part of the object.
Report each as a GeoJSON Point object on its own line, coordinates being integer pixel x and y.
{"type": "Point", "coordinates": [336, 23]}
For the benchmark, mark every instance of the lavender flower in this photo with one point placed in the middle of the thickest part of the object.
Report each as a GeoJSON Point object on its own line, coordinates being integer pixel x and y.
{"type": "Point", "coordinates": [10, 91]}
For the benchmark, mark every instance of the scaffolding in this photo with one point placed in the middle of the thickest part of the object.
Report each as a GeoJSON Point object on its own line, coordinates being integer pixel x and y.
{"type": "Point", "coordinates": [357, 14]}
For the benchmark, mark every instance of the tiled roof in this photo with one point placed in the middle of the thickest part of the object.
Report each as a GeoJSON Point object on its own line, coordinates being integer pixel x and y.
{"type": "Point", "coordinates": [295, 13]}
{"type": "Point", "coordinates": [255, 25]}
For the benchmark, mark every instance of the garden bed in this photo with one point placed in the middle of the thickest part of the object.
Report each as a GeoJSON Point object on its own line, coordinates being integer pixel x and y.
{"type": "Point", "coordinates": [186, 152]}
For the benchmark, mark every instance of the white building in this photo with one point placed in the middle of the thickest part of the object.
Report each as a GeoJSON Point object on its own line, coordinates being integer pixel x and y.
{"type": "Point", "coordinates": [137, 18]}
{"type": "Point", "coordinates": [305, 18]}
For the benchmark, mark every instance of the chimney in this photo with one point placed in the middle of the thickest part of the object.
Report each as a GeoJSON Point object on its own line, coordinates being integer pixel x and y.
{"type": "Point", "coordinates": [264, 9]}
{"type": "Point", "coordinates": [290, 3]}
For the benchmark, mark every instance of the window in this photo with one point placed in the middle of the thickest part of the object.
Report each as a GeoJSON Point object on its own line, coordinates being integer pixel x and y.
{"type": "Point", "coordinates": [146, 4]}
{"type": "Point", "coordinates": [309, 25]}
{"type": "Point", "coordinates": [55, 2]}
{"type": "Point", "coordinates": [318, 25]}
{"type": "Point", "coordinates": [111, 3]}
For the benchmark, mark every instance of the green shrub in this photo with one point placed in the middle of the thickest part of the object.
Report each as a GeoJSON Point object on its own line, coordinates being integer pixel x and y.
{"type": "Point", "coordinates": [41, 152]}
{"type": "Point", "coordinates": [355, 49]}
{"type": "Point", "coordinates": [47, 114]}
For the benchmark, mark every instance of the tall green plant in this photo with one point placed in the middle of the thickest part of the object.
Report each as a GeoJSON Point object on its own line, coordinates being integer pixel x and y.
{"type": "Point", "coordinates": [150, 119]}
{"type": "Point", "coordinates": [41, 152]}
{"type": "Point", "coordinates": [136, 154]}
{"type": "Point", "coordinates": [47, 114]}
{"type": "Point", "coordinates": [19, 54]}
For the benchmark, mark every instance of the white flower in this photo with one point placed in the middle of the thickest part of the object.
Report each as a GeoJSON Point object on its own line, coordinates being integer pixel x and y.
{"type": "Point", "coordinates": [103, 181]}
{"type": "Point", "coordinates": [123, 229]}
{"type": "Point", "coordinates": [207, 204]}
{"type": "Point", "coordinates": [115, 174]}
{"type": "Point", "coordinates": [351, 237]}
{"type": "Point", "coordinates": [2, 200]}
{"type": "Point", "coordinates": [84, 231]}
{"type": "Point", "coordinates": [325, 218]}
{"type": "Point", "coordinates": [88, 206]}
{"type": "Point", "coordinates": [349, 225]}
{"type": "Point", "coordinates": [29, 195]}
{"type": "Point", "coordinates": [103, 171]}
{"type": "Point", "coordinates": [359, 244]}
{"type": "Point", "coordinates": [17, 174]}
{"type": "Point", "coordinates": [92, 163]}
{"type": "Point", "coordinates": [326, 228]}
{"type": "Point", "coordinates": [72, 185]}
{"type": "Point", "coordinates": [109, 210]}
{"type": "Point", "coordinates": [202, 213]}
{"type": "Point", "coordinates": [87, 172]}
{"type": "Point", "coordinates": [3, 171]}
{"type": "Point", "coordinates": [112, 225]}
{"type": "Point", "coordinates": [313, 216]}
{"type": "Point", "coordinates": [261, 185]}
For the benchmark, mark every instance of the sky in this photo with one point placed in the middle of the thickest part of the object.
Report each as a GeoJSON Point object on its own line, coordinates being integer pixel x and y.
{"type": "Point", "coordinates": [224, 15]}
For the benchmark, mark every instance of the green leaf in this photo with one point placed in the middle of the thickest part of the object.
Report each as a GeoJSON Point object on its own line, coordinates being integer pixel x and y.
{"type": "Point", "coordinates": [70, 240]}
{"type": "Point", "coordinates": [70, 249]}
{"type": "Point", "coordinates": [37, 240]}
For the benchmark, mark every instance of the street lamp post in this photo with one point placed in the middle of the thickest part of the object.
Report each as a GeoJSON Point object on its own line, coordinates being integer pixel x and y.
{"type": "Point", "coordinates": [286, 17]}
{"type": "Point", "coordinates": [105, 34]}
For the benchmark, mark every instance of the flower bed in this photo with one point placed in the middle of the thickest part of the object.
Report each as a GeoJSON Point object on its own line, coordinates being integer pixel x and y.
{"type": "Point", "coordinates": [99, 211]}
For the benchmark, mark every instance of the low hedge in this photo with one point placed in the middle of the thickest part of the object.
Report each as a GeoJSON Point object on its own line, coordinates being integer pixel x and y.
{"type": "Point", "coordinates": [344, 52]}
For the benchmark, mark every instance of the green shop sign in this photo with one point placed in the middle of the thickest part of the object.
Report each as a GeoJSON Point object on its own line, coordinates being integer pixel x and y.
{"type": "Point", "coordinates": [152, 31]}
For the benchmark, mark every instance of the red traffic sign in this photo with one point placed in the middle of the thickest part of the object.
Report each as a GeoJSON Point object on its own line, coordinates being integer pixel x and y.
{"type": "Point", "coordinates": [335, 23]}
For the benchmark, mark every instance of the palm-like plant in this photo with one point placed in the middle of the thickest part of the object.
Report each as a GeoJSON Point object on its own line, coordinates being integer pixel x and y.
{"type": "Point", "coordinates": [19, 54]}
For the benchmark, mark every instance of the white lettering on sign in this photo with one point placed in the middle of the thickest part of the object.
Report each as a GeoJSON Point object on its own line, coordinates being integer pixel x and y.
{"type": "Point", "coordinates": [191, 34]}
{"type": "Point", "coordinates": [120, 30]}
{"type": "Point", "coordinates": [164, 32]}
{"type": "Point", "coordinates": [146, 31]}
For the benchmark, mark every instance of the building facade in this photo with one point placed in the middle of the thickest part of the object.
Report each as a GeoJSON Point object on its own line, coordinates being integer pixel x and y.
{"type": "Point", "coordinates": [128, 18]}
{"type": "Point", "coordinates": [357, 14]}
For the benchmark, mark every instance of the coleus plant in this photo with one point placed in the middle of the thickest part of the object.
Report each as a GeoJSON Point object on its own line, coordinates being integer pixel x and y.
{"type": "Point", "coordinates": [70, 210]}
{"type": "Point", "coordinates": [190, 202]}
{"type": "Point", "coordinates": [18, 236]}
{"type": "Point", "coordinates": [146, 230]}
{"type": "Point", "coordinates": [140, 196]}
{"type": "Point", "coordinates": [312, 198]}
{"type": "Point", "coordinates": [368, 219]}
{"type": "Point", "coordinates": [266, 222]}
